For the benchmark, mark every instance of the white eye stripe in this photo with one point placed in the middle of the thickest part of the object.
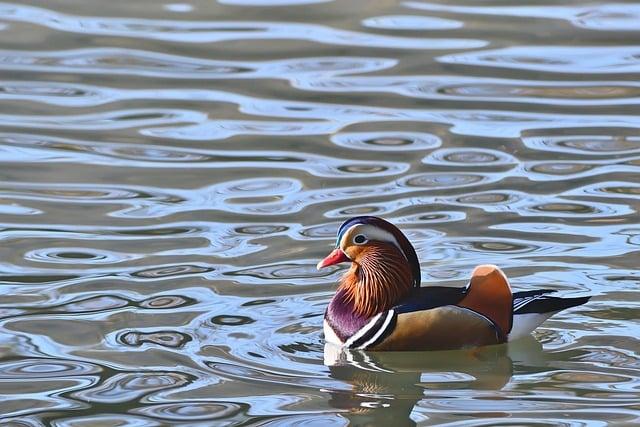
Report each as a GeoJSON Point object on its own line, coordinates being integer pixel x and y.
{"type": "Point", "coordinates": [372, 233]}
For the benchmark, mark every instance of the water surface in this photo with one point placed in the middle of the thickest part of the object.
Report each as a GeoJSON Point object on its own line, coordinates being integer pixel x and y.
{"type": "Point", "coordinates": [170, 173]}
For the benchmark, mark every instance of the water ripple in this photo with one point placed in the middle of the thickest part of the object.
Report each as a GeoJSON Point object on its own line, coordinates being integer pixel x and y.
{"type": "Point", "coordinates": [45, 368]}
{"type": "Point", "coordinates": [170, 174]}
{"type": "Point", "coordinates": [153, 64]}
{"type": "Point", "coordinates": [600, 17]}
{"type": "Point", "coordinates": [387, 141]}
{"type": "Point", "coordinates": [101, 419]}
{"type": "Point", "coordinates": [131, 386]}
{"type": "Point", "coordinates": [76, 256]}
{"type": "Point", "coordinates": [170, 339]}
{"type": "Point", "coordinates": [34, 148]}
{"type": "Point", "coordinates": [220, 31]}
{"type": "Point", "coordinates": [469, 157]}
{"type": "Point", "coordinates": [589, 145]}
{"type": "Point", "coordinates": [554, 59]}
{"type": "Point", "coordinates": [484, 89]}
{"type": "Point", "coordinates": [191, 411]}
{"type": "Point", "coordinates": [113, 120]}
{"type": "Point", "coordinates": [411, 22]}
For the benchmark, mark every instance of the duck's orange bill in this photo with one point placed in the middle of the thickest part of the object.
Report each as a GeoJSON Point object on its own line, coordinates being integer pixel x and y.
{"type": "Point", "coordinates": [335, 257]}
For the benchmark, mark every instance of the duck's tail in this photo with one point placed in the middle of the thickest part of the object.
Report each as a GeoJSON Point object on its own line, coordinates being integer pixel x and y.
{"type": "Point", "coordinates": [531, 308]}
{"type": "Point", "coordinates": [515, 315]}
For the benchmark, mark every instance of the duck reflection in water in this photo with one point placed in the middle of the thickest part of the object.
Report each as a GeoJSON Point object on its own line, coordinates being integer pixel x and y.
{"type": "Point", "coordinates": [386, 386]}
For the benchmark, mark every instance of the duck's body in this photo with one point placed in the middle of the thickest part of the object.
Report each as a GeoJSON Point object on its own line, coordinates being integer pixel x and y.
{"type": "Point", "coordinates": [381, 306]}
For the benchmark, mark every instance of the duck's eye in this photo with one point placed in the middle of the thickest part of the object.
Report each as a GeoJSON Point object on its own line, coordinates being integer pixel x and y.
{"type": "Point", "coordinates": [359, 239]}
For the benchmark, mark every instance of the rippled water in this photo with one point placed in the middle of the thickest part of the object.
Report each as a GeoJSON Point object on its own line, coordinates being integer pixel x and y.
{"type": "Point", "coordinates": [170, 173]}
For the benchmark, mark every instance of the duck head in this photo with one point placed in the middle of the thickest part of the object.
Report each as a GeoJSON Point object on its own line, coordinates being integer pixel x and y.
{"type": "Point", "coordinates": [384, 264]}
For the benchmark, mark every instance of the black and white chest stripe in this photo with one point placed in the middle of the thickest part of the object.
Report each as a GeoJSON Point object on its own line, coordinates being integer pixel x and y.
{"type": "Point", "coordinates": [376, 330]}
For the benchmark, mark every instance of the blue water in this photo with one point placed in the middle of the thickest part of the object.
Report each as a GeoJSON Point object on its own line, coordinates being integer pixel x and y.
{"type": "Point", "coordinates": [170, 174]}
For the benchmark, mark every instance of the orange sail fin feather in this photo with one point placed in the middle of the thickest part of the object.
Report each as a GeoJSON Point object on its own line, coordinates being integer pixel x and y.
{"type": "Point", "coordinates": [489, 294]}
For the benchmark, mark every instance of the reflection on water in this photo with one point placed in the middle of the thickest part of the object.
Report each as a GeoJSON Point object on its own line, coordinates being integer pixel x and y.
{"type": "Point", "coordinates": [387, 386]}
{"type": "Point", "coordinates": [170, 173]}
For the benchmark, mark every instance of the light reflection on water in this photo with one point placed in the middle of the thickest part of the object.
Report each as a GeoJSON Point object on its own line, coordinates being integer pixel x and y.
{"type": "Point", "coordinates": [171, 173]}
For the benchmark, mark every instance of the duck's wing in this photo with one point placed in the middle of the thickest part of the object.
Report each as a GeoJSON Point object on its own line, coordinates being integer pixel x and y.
{"type": "Point", "coordinates": [442, 328]}
{"type": "Point", "coordinates": [539, 302]}
{"type": "Point", "coordinates": [429, 319]}
{"type": "Point", "coordinates": [441, 318]}
{"type": "Point", "coordinates": [430, 297]}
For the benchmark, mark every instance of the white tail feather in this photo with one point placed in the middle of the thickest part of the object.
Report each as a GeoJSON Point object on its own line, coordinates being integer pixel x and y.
{"type": "Point", "coordinates": [524, 324]}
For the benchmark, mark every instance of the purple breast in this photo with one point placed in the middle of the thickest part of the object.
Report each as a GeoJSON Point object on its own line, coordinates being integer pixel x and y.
{"type": "Point", "coordinates": [341, 317]}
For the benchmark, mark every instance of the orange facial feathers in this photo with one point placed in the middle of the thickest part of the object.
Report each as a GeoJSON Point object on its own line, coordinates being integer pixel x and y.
{"type": "Point", "coordinates": [378, 279]}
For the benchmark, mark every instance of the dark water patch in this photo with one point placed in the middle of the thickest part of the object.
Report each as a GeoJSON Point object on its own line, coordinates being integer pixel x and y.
{"type": "Point", "coordinates": [27, 368]}
{"type": "Point", "coordinates": [537, 205]}
{"type": "Point", "coordinates": [555, 93]}
{"type": "Point", "coordinates": [229, 320]}
{"type": "Point", "coordinates": [617, 313]}
{"type": "Point", "coordinates": [386, 141]}
{"type": "Point", "coordinates": [169, 339]}
{"type": "Point", "coordinates": [192, 411]}
{"type": "Point", "coordinates": [301, 347]}
{"type": "Point", "coordinates": [157, 231]}
{"type": "Point", "coordinates": [167, 302]}
{"type": "Point", "coordinates": [121, 119]}
{"type": "Point", "coordinates": [169, 271]}
{"type": "Point", "coordinates": [361, 169]}
{"type": "Point", "coordinates": [22, 422]}
{"type": "Point", "coordinates": [76, 256]}
{"type": "Point", "coordinates": [485, 89]}
{"type": "Point", "coordinates": [445, 180]}
{"type": "Point", "coordinates": [502, 247]}
{"type": "Point", "coordinates": [554, 59]}
{"type": "Point", "coordinates": [432, 218]}
{"type": "Point", "coordinates": [320, 231]}
{"type": "Point", "coordinates": [102, 419]}
{"type": "Point", "coordinates": [569, 208]}
{"type": "Point", "coordinates": [276, 272]}
{"type": "Point", "coordinates": [94, 304]}
{"type": "Point", "coordinates": [411, 22]}
{"type": "Point", "coordinates": [261, 230]}
{"type": "Point", "coordinates": [126, 387]}
{"type": "Point", "coordinates": [560, 168]}
{"type": "Point", "coordinates": [469, 157]}
{"type": "Point", "coordinates": [590, 145]}
{"type": "Point", "coordinates": [66, 192]}
{"type": "Point", "coordinates": [258, 302]}
{"type": "Point", "coordinates": [489, 198]}
{"type": "Point", "coordinates": [359, 211]}
{"type": "Point", "coordinates": [35, 279]}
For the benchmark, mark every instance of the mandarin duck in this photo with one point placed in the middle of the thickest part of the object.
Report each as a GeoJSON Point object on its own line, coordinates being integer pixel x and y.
{"type": "Point", "coordinates": [380, 305]}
